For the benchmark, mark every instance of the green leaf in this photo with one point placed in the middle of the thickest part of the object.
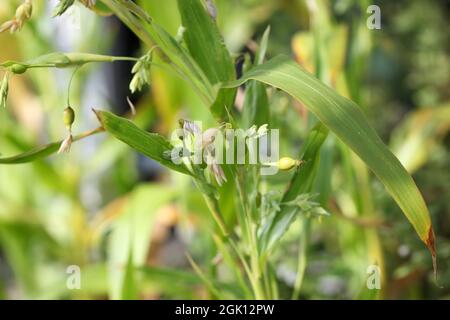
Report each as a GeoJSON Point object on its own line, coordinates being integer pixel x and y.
{"type": "Point", "coordinates": [129, 286]}
{"type": "Point", "coordinates": [149, 144]}
{"type": "Point", "coordinates": [205, 42]}
{"type": "Point", "coordinates": [206, 45]}
{"type": "Point", "coordinates": [349, 124]}
{"type": "Point", "coordinates": [32, 155]}
{"type": "Point", "coordinates": [42, 151]}
{"type": "Point", "coordinates": [129, 241]}
{"type": "Point", "coordinates": [62, 7]}
{"type": "Point", "coordinates": [256, 109]}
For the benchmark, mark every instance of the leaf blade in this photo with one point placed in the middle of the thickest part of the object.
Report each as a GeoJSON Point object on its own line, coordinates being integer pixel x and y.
{"type": "Point", "coordinates": [347, 121]}
{"type": "Point", "coordinates": [149, 144]}
{"type": "Point", "coordinates": [207, 47]}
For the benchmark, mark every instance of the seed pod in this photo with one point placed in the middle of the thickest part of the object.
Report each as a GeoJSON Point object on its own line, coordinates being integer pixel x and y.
{"type": "Point", "coordinates": [287, 163]}
{"type": "Point", "coordinates": [18, 68]}
{"type": "Point", "coordinates": [69, 117]}
{"type": "Point", "coordinates": [24, 12]}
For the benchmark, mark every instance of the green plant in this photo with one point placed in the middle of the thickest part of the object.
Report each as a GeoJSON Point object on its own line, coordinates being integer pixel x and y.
{"type": "Point", "coordinates": [245, 237]}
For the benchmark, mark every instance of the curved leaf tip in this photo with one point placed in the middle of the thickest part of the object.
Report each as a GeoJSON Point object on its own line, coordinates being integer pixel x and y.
{"type": "Point", "coordinates": [346, 120]}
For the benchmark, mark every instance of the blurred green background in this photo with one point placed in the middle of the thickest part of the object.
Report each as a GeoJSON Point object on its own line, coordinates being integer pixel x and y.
{"type": "Point", "coordinates": [90, 207]}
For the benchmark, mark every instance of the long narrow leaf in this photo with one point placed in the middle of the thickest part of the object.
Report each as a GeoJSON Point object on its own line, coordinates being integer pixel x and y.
{"type": "Point", "coordinates": [208, 49]}
{"type": "Point", "coordinates": [42, 151]}
{"type": "Point", "coordinates": [151, 145]}
{"type": "Point", "coordinates": [348, 122]}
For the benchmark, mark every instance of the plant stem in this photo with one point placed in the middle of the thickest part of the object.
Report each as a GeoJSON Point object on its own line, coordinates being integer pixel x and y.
{"type": "Point", "coordinates": [87, 134]}
{"type": "Point", "coordinates": [301, 265]}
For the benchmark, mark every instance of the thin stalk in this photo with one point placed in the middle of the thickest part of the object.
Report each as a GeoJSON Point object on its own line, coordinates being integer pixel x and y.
{"type": "Point", "coordinates": [256, 268]}
{"type": "Point", "coordinates": [213, 207]}
{"type": "Point", "coordinates": [88, 134]}
{"type": "Point", "coordinates": [243, 221]}
{"type": "Point", "coordinates": [70, 84]}
{"type": "Point", "coordinates": [301, 264]}
{"type": "Point", "coordinates": [250, 238]}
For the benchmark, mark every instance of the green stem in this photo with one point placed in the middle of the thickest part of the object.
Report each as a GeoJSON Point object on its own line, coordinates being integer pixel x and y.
{"type": "Point", "coordinates": [250, 238]}
{"type": "Point", "coordinates": [212, 204]}
{"type": "Point", "coordinates": [301, 265]}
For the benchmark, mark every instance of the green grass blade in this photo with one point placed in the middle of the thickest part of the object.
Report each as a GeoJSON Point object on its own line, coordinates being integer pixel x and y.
{"type": "Point", "coordinates": [149, 144]}
{"type": "Point", "coordinates": [348, 122]}
{"type": "Point", "coordinates": [256, 103]}
{"type": "Point", "coordinates": [205, 42]}
{"type": "Point", "coordinates": [206, 45]}
{"type": "Point", "coordinates": [32, 155]}
{"type": "Point", "coordinates": [42, 151]}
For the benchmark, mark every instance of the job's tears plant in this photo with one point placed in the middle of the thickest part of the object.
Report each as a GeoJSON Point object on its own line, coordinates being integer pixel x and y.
{"type": "Point", "coordinates": [199, 57]}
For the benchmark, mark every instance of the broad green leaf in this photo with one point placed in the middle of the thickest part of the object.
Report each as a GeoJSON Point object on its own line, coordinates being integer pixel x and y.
{"type": "Point", "coordinates": [205, 42]}
{"type": "Point", "coordinates": [301, 182]}
{"type": "Point", "coordinates": [149, 144]}
{"type": "Point", "coordinates": [206, 45]}
{"type": "Point", "coordinates": [349, 124]}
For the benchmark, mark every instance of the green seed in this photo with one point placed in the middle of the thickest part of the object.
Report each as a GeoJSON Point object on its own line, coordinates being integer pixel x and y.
{"type": "Point", "coordinates": [287, 163]}
{"type": "Point", "coordinates": [18, 68]}
{"type": "Point", "coordinates": [69, 117]}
